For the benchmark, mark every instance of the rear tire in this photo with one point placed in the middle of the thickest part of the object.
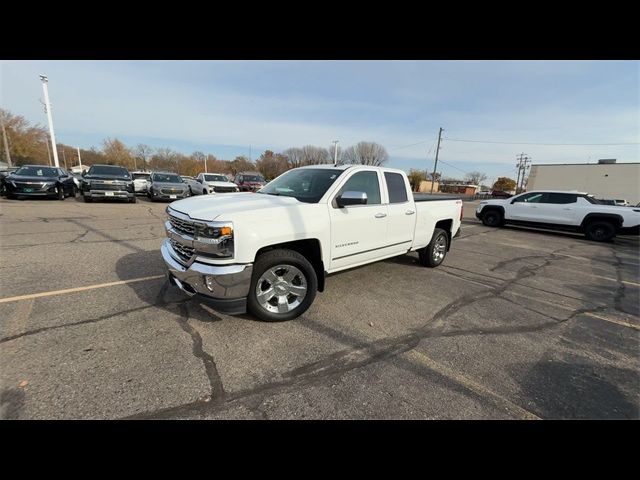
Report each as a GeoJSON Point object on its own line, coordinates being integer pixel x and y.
{"type": "Point", "coordinates": [87, 199]}
{"type": "Point", "coordinates": [204, 192]}
{"type": "Point", "coordinates": [600, 231]}
{"type": "Point", "coordinates": [492, 218]}
{"type": "Point", "coordinates": [434, 254]}
{"type": "Point", "coordinates": [133, 199]}
{"type": "Point", "coordinates": [291, 273]}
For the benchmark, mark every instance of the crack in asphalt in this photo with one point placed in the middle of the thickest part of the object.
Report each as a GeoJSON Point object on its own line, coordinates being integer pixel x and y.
{"type": "Point", "coordinates": [216, 389]}
{"type": "Point", "coordinates": [339, 363]}
{"type": "Point", "coordinates": [82, 322]}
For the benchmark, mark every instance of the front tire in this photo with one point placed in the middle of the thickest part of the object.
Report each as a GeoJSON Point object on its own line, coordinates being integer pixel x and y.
{"type": "Point", "coordinates": [434, 253]}
{"type": "Point", "coordinates": [283, 286]}
{"type": "Point", "coordinates": [600, 231]}
{"type": "Point", "coordinates": [492, 218]}
{"type": "Point", "coordinates": [133, 199]}
{"type": "Point", "coordinates": [87, 199]}
{"type": "Point", "coordinates": [60, 192]}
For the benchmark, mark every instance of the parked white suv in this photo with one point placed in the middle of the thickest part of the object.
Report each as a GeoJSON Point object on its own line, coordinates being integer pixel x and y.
{"type": "Point", "coordinates": [561, 210]}
{"type": "Point", "coordinates": [216, 183]}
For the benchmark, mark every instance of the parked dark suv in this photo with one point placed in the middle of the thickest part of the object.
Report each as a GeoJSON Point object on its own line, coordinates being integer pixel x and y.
{"type": "Point", "coordinates": [107, 181]}
{"type": "Point", "coordinates": [500, 194]}
{"type": "Point", "coordinates": [249, 181]}
{"type": "Point", "coordinates": [39, 181]}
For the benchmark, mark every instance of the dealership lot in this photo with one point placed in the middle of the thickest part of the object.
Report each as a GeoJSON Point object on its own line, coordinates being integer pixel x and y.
{"type": "Point", "coordinates": [516, 323]}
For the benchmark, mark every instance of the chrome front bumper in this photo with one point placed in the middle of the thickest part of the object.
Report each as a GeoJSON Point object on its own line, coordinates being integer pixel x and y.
{"type": "Point", "coordinates": [228, 284]}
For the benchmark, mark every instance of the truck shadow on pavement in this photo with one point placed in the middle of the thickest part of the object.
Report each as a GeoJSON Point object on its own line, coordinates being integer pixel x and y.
{"type": "Point", "coordinates": [574, 389]}
{"type": "Point", "coordinates": [160, 293]}
{"type": "Point", "coordinates": [11, 402]}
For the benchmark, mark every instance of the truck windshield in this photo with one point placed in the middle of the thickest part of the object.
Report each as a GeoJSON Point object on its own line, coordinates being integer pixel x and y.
{"type": "Point", "coordinates": [305, 184]}
{"type": "Point", "coordinates": [106, 170]}
{"type": "Point", "coordinates": [215, 178]}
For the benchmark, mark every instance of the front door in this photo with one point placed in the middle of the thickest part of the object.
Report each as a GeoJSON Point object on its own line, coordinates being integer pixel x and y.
{"type": "Point", "coordinates": [525, 208]}
{"type": "Point", "coordinates": [358, 232]}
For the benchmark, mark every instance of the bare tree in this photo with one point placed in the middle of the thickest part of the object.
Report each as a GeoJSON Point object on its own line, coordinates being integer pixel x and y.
{"type": "Point", "coordinates": [294, 157]}
{"type": "Point", "coordinates": [475, 177]}
{"type": "Point", "coordinates": [314, 155]}
{"type": "Point", "coordinates": [143, 153]}
{"type": "Point", "coordinates": [366, 153]}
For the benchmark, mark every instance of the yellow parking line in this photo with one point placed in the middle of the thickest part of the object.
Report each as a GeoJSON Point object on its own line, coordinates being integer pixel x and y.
{"type": "Point", "coordinates": [77, 289]}
{"type": "Point", "coordinates": [470, 384]}
{"type": "Point", "coordinates": [617, 322]}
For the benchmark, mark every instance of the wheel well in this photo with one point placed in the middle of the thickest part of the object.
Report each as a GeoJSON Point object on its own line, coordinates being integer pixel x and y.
{"type": "Point", "coordinates": [616, 220]}
{"type": "Point", "coordinates": [446, 225]}
{"type": "Point", "coordinates": [310, 249]}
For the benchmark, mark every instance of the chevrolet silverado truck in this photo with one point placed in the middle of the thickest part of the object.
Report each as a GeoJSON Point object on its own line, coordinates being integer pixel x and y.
{"type": "Point", "coordinates": [107, 181]}
{"type": "Point", "coordinates": [215, 183]}
{"type": "Point", "coordinates": [269, 252]}
{"type": "Point", "coordinates": [561, 210]}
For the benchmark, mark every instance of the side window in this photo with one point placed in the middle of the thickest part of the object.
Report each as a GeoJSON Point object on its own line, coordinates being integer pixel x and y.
{"type": "Point", "coordinates": [530, 198]}
{"type": "Point", "coordinates": [239, 178]}
{"type": "Point", "coordinates": [396, 187]}
{"type": "Point", "coordinates": [560, 198]}
{"type": "Point", "coordinates": [366, 182]}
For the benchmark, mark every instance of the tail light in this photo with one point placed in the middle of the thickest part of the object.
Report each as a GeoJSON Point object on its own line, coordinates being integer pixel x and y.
{"type": "Point", "coordinates": [461, 211]}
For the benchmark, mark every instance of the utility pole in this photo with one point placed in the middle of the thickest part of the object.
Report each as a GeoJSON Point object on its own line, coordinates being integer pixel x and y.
{"type": "Point", "coordinates": [6, 143]}
{"type": "Point", "coordinates": [435, 166]}
{"type": "Point", "coordinates": [525, 167]}
{"type": "Point", "coordinates": [523, 164]}
{"type": "Point", "coordinates": [205, 163]}
{"type": "Point", "coordinates": [65, 158]}
{"type": "Point", "coordinates": [79, 159]}
{"type": "Point", "coordinates": [335, 153]}
{"type": "Point", "coordinates": [47, 106]}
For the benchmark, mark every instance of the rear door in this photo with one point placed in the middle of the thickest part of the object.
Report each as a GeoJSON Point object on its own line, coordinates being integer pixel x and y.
{"type": "Point", "coordinates": [558, 208]}
{"type": "Point", "coordinates": [401, 211]}
{"type": "Point", "coordinates": [358, 232]}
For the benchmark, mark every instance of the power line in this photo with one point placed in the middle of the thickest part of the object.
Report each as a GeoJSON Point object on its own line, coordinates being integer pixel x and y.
{"type": "Point", "coordinates": [536, 143]}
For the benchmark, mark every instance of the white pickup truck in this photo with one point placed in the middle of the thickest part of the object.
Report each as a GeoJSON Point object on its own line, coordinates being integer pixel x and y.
{"type": "Point", "coordinates": [561, 210]}
{"type": "Point", "coordinates": [268, 252]}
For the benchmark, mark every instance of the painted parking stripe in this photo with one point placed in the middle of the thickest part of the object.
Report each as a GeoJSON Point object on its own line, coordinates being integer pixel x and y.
{"type": "Point", "coordinates": [78, 289]}
{"type": "Point", "coordinates": [470, 384]}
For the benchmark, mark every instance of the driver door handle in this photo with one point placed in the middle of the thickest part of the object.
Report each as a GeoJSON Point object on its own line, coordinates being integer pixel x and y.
{"type": "Point", "coordinates": [381, 215]}
{"type": "Point", "coordinates": [409, 212]}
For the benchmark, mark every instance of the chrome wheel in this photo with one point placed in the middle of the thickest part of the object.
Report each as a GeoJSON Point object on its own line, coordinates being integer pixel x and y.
{"type": "Point", "coordinates": [281, 289]}
{"type": "Point", "coordinates": [440, 248]}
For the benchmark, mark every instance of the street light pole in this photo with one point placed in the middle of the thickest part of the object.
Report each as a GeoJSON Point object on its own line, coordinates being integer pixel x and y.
{"type": "Point", "coordinates": [335, 153]}
{"type": "Point", "coordinates": [45, 80]}
{"type": "Point", "coordinates": [6, 143]}
{"type": "Point", "coordinates": [79, 159]}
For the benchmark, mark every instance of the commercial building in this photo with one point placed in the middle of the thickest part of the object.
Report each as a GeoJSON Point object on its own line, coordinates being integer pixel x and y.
{"type": "Point", "coordinates": [605, 179]}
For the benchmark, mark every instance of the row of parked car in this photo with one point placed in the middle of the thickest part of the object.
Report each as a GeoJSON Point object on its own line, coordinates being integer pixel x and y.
{"type": "Point", "coordinates": [112, 181]}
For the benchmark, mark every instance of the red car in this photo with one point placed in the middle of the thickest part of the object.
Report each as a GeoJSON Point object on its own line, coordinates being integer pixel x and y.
{"type": "Point", "coordinates": [249, 181]}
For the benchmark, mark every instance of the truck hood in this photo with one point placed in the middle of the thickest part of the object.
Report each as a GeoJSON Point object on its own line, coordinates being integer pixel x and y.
{"type": "Point", "coordinates": [221, 184]}
{"type": "Point", "coordinates": [209, 207]}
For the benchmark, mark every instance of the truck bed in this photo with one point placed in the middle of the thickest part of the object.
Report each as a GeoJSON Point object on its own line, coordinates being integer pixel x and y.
{"type": "Point", "coordinates": [426, 197]}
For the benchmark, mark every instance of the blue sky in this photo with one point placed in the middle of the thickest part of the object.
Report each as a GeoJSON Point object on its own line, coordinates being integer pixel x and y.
{"type": "Point", "coordinates": [227, 108]}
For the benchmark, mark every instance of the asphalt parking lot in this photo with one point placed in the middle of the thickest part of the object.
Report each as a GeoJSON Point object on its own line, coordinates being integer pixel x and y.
{"type": "Point", "coordinates": [516, 324]}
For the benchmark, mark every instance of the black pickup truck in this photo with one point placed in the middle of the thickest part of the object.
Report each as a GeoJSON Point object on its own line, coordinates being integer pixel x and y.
{"type": "Point", "coordinates": [107, 182]}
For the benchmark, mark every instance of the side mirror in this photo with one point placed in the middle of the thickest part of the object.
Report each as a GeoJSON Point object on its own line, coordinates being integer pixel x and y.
{"type": "Point", "coordinates": [199, 180]}
{"type": "Point", "coordinates": [351, 198]}
{"type": "Point", "coordinates": [84, 172]}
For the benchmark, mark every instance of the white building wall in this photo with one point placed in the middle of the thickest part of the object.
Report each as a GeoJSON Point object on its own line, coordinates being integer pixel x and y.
{"type": "Point", "coordinates": [612, 181]}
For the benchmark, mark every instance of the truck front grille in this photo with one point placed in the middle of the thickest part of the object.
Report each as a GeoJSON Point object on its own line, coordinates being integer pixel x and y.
{"type": "Point", "coordinates": [224, 189]}
{"type": "Point", "coordinates": [107, 186]}
{"type": "Point", "coordinates": [182, 226]}
{"type": "Point", "coordinates": [185, 253]}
